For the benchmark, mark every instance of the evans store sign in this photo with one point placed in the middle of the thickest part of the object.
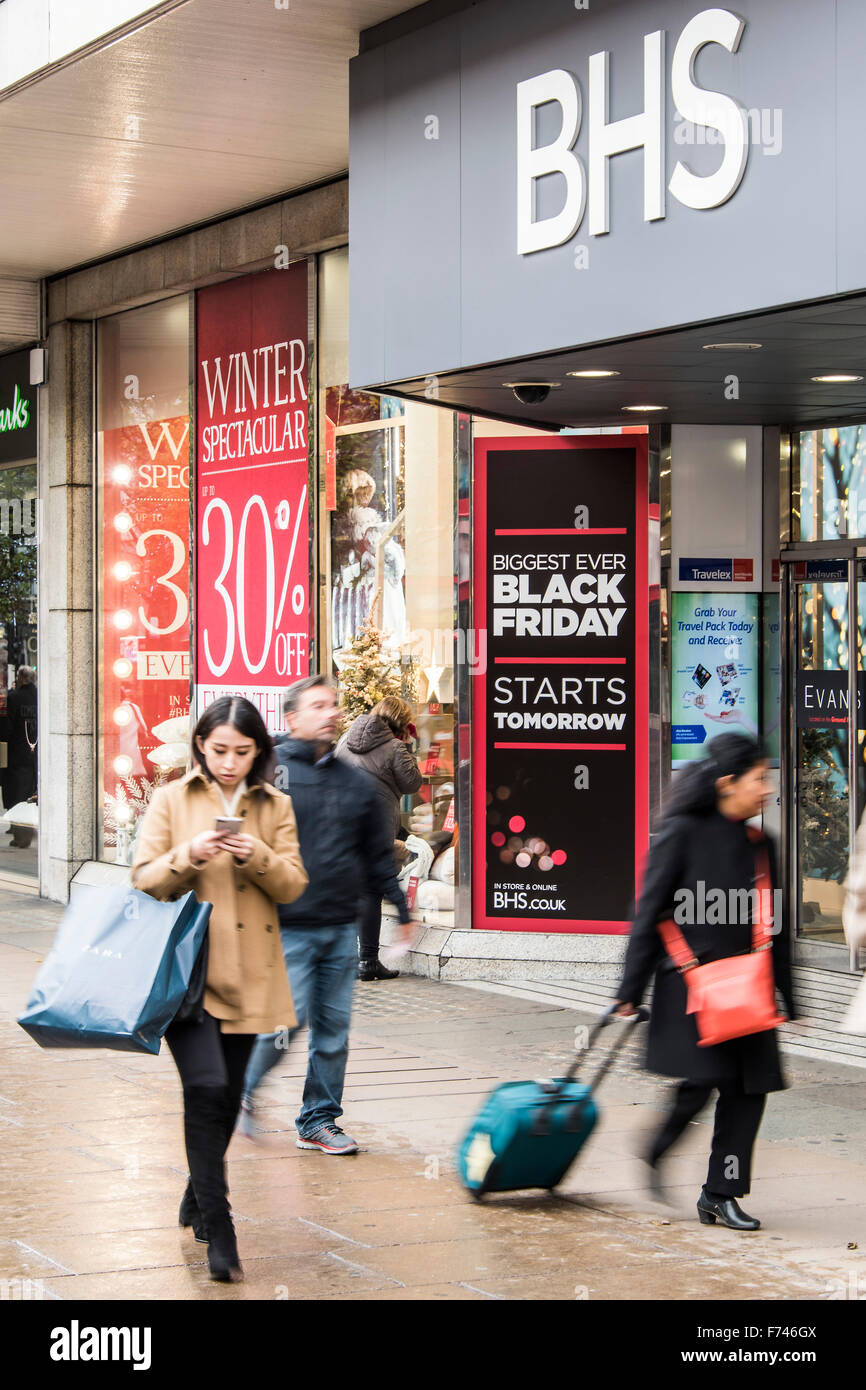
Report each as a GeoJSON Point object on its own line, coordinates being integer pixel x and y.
{"type": "Point", "coordinates": [528, 178]}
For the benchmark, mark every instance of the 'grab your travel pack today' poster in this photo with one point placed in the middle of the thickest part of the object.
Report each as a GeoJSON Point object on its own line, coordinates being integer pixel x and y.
{"type": "Point", "coordinates": [714, 651]}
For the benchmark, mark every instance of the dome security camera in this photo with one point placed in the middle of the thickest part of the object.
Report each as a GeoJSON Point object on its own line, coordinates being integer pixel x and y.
{"type": "Point", "coordinates": [531, 392]}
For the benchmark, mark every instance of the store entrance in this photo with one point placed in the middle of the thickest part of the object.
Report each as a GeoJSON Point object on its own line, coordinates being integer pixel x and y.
{"type": "Point", "coordinates": [824, 598]}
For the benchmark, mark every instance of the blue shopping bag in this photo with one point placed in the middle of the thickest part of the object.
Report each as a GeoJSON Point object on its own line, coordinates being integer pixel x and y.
{"type": "Point", "coordinates": [118, 971]}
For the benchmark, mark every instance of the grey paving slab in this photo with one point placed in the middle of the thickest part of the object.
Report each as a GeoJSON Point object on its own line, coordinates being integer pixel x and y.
{"type": "Point", "coordinates": [94, 1166]}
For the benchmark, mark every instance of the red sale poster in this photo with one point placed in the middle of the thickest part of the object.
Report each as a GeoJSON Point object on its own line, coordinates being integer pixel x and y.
{"type": "Point", "coordinates": [145, 585]}
{"type": "Point", "coordinates": [252, 539]}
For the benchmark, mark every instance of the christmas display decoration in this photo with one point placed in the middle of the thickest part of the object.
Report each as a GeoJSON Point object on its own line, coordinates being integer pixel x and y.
{"type": "Point", "coordinates": [369, 671]}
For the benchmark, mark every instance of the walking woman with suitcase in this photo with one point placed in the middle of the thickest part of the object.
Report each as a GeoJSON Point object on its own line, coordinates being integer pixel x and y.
{"type": "Point", "coordinates": [699, 906]}
{"type": "Point", "coordinates": [244, 874]}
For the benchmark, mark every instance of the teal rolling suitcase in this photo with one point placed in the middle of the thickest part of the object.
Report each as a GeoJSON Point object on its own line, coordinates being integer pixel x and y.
{"type": "Point", "coordinates": [528, 1133]}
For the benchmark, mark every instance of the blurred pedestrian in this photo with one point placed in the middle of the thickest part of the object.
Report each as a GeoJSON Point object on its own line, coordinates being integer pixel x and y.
{"type": "Point", "coordinates": [703, 845]}
{"type": "Point", "coordinates": [377, 743]}
{"type": "Point", "coordinates": [347, 849]}
{"type": "Point", "coordinates": [19, 783]}
{"type": "Point", "coordinates": [244, 874]}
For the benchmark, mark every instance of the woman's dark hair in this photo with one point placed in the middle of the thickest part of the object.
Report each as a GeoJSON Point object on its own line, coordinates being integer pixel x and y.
{"type": "Point", "coordinates": [694, 789]}
{"type": "Point", "coordinates": [242, 715]}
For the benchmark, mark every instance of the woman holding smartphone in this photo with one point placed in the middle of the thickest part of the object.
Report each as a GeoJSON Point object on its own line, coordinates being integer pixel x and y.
{"type": "Point", "coordinates": [188, 841]}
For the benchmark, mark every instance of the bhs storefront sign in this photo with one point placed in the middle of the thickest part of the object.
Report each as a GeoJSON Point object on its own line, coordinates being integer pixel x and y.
{"type": "Point", "coordinates": [590, 183]}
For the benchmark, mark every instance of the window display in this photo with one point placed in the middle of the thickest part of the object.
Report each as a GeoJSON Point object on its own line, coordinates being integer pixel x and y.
{"type": "Point", "coordinates": [386, 577]}
{"type": "Point", "coordinates": [143, 502]}
{"type": "Point", "coordinates": [832, 480]}
{"type": "Point", "coordinates": [18, 683]}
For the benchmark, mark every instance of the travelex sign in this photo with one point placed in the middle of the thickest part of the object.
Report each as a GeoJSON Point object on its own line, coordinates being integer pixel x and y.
{"type": "Point", "coordinates": [588, 184]}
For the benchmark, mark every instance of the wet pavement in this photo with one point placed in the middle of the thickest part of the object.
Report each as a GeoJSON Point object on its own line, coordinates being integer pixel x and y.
{"type": "Point", "coordinates": [93, 1170]}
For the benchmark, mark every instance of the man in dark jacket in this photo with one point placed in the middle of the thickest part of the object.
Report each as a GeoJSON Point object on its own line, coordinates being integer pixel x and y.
{"type": "Point", "coordinates": [347, 851]}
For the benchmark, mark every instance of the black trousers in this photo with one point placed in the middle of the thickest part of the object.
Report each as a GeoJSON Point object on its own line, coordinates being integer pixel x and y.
{"type": "Point", "coordinates": [211, 1066]}
{"type": "Point", "coordinates": [369, 927]}
{"type": "Point", "coordinates": [737, 1120]}
{"type": "Point", "coordinates": [204, 1056]}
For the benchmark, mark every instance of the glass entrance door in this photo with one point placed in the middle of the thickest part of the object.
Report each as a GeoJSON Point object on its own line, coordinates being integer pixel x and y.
{"type": "Point", "coordinates": [827, 604]}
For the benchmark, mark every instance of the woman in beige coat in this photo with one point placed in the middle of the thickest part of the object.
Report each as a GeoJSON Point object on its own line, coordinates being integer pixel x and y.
{"type": "Point", "coordinates": [244, 875]}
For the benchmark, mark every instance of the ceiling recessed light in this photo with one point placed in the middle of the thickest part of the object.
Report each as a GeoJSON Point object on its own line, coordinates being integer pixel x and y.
{"type": "Point", "coordinates": [838, 376]}
{"type": "Point", "coordinates": [644, 407]}
{"type": "Point", "coordinates": [732, 347]}
{"type": "Point", "coordinates": [594, 371]}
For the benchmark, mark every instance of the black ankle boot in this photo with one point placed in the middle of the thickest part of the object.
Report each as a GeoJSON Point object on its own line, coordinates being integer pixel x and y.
{"type": "Point", "coordinates": [375, 970]}
{"type": "Point", "coordinates": [726, 1210]}
{"type": "Point", "coordinates": [189, 1215]}
{"type": "Point", "coordinates": [222, 1253]}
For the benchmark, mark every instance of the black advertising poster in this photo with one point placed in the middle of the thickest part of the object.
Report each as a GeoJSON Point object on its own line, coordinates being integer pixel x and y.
{"type": "Point", "coordinates": [561, 714]}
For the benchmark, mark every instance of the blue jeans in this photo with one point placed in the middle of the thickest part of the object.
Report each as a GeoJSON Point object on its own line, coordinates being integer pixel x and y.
{"type": "Point", "coordinates": [322, 963]}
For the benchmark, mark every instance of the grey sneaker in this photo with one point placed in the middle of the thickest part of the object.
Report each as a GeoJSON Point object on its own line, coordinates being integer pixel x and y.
{"type": "Point", "coordinates": [329, 1139]}
{"type": "Point", "coordinates": [248, 1124]}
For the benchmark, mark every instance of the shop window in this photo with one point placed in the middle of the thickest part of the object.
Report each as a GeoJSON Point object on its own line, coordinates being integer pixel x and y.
{"type": "Point", "coordinates": [832, 484]}
{"type": "Point", "coordinates": [143, 505]}
{"type": "Point", "coordinates": [19, 516]}
{"type": "Point", "coordinates": [386, 574]}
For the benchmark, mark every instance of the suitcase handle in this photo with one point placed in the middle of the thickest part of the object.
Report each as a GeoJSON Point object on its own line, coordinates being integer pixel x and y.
{"type": "Point", "coordinates": [639, 1016]}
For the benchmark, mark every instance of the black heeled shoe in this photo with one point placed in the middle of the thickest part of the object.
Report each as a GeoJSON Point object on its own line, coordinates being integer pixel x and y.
{"type": "Point", "coordinates": [222, 1253]}
{"type": "Point", "coordinates": [189, 1215]}
{"type": "Point", "coordinates": [726, 1210]}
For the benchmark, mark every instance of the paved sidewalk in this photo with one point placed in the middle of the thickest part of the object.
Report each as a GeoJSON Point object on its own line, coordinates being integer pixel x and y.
{"type": "Point", "coordinates": [94, 1169]}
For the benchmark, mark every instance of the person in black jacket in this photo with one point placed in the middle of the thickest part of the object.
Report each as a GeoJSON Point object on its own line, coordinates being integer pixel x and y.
{"type": "Point", "coordinates": [376, 743]}
{"type": "Point", "coordinates": [704, 845]}
{"type": "Point", "coordinates": [20, 778]}
{"type": "Point", "coordinates": [347, 849]}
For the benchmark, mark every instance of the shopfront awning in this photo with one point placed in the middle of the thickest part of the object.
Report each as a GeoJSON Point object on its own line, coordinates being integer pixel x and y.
{"type": "Point", "coordinates": [751, 370]}
{"type": "Point", "coordinates": [206, 107]}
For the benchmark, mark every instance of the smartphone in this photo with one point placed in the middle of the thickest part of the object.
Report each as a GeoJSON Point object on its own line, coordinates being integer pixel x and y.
{"type": "Point", "coordinates": [228, 825]}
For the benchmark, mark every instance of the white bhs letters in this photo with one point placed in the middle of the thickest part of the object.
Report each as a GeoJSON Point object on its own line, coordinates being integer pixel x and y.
{"type": "Point", "coordinates": [645, 131]}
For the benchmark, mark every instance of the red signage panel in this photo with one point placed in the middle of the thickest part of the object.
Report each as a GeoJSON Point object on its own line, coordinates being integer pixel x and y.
{"type": "Point", "coordinates": [252, 460]}
{"type": "Point", "coordinates": [145, 585]}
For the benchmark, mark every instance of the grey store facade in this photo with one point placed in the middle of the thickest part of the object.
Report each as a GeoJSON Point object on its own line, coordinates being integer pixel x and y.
{"type": "Point", "coordinates": [586, 221]}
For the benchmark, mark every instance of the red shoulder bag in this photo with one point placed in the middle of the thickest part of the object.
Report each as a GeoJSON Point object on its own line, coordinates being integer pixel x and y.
{"type": "Point", "coordinates": [735, 996]}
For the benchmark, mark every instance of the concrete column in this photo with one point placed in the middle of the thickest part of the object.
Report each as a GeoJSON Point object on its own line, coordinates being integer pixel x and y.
{"type": "Point", "coordinates": [67, 746]}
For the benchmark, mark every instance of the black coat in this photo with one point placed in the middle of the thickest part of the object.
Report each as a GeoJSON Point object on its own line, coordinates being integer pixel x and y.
{"type": "Point", "coordinates": [701, 852]}
{"type": "Point", "coordinates": [346, 844]}
{"type": "Point", "coordinates": [371, 746]}
{"type": "Point", "coordinates": [19, 779]}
